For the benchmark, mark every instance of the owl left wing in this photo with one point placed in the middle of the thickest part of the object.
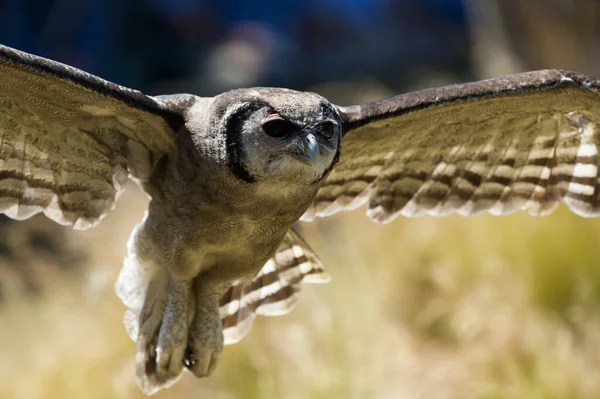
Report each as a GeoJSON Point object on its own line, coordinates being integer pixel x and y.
{"type": "Point", "coordinates": [274, 291]}
{"type": "Point", "coordinates": [70, 140]}
{"type": "Point", "coordinates": [526, 141]}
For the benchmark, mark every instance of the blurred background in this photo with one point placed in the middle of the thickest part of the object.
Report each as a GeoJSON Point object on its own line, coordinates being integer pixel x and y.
{"type": "Point", "coordinates": [452, 307]}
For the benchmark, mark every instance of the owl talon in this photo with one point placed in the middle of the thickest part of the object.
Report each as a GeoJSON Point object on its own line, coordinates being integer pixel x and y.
{"type": "Point", "coordinates": [202, 363]}
{"type": "Point", "coordinates": [205, 342]}
{"type": "Point", "coordinates": [163, 334]}
{"type": "Point", "coordinates": [189, 360]}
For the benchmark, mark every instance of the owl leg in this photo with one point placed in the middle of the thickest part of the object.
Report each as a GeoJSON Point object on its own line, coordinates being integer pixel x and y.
{"type": "Point", "coordinates": [173, 334]}
{"type": "Point", "coordinates": [163, 333]}
{"type": "Point", "coordinates": [205, 340]}
{"type": "Point", "coordinates": [160, 311]}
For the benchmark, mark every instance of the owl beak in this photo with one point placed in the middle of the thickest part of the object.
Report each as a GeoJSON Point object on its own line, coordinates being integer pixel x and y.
{"type": "Point", "coordinates": [309, 149]}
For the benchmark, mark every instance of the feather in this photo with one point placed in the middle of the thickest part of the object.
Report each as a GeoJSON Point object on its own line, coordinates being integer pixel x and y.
{"type": "Point", "coordinates": [520, 142]}
{"type": "Point", "coordinates": [69, 140]}
{"type": "Point", "coordinates": [274, 291]}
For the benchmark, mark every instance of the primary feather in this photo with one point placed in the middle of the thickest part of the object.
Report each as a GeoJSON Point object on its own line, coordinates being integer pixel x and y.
{"type": "Point", "coordinates": [525, 141]}
{"type": "Point", "coordinates": [69, 140]}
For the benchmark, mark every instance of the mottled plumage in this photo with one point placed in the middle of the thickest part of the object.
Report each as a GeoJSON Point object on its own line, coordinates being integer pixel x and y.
{"type": "Point", "coordinates": [228, 176]}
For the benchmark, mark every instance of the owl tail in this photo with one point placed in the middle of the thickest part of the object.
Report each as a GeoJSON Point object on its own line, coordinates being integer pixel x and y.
{"type": "Point", "coordinates": [274, 291]}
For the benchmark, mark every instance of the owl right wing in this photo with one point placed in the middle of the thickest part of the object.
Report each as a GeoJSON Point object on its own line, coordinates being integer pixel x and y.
{"type": "Point", "coordinates": [274, 291]}
{"type": "Point", "coordinates": [69, 140]}
{"type": "Point", "coordinates": [526, 141]}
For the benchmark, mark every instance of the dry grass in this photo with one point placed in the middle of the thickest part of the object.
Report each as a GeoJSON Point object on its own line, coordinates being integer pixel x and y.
{"type": "Point", "coordinates": [424, 308]}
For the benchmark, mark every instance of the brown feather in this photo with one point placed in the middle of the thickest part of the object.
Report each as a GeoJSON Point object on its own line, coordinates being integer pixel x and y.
{"type": "Point", "coordinates": [525, 141]}
{"type": "Point", "coordinates": [69, 140]}
{"type": "Point", "coordinates": [274, 290]}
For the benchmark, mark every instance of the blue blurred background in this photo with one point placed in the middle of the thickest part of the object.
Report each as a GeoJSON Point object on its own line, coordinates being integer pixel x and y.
{"type": "Point", "coordinates": [210, 46]}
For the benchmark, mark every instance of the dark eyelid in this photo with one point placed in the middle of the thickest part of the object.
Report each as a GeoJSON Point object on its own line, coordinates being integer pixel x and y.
{"type": "Point", "coordinates": [275, 116]}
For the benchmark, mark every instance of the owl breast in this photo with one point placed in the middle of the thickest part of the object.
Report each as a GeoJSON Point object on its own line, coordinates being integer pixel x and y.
{"type": "Point", "coordinates": [206, 209]}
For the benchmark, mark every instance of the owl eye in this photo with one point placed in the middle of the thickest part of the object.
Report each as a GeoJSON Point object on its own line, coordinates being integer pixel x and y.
{"type": "Point", "coordinates": [275, 126]}
{"type": "Point", "coordinates": [327, 129]}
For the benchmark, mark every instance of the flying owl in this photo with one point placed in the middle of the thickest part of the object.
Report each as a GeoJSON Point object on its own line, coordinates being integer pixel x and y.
{"type": "Point", "coordinates": [228, 176]}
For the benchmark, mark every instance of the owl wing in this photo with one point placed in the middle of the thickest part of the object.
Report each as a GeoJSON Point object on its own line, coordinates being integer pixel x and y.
{"type": "Point", "coordinates": [274, 290]}
{"type": "Point", "coordinates": [69, 140]}
{"type": "Point", "coordinates": [526, 141]}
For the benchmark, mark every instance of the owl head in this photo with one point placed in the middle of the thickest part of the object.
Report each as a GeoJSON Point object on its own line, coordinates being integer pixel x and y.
{"type": "Point", "coordinates": [275, 134]}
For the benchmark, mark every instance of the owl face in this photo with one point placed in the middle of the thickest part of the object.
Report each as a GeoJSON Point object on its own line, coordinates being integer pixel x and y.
{"type": "Point", "coordinates": [277, 134]}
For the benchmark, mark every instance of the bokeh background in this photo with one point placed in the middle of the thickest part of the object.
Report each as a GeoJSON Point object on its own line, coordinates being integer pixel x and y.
{"type": "Point", "coordinates": [452, 307]}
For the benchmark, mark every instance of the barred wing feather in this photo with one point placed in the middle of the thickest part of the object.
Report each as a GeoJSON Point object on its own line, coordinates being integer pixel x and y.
{"type": "Point", "coordinates": [521, 142]}
{"type": "Point", "coordinates": [274, 290]}
{"type": "Point", "coordinates": [69, 140]}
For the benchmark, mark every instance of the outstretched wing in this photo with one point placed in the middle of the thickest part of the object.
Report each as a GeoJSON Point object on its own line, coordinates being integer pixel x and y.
{"type": "Point", "coordinates": [274, 290]}
{"type": "Point", "coordinates": [524, 141]}
{"type": "Point", "coordinates": [69, 140]}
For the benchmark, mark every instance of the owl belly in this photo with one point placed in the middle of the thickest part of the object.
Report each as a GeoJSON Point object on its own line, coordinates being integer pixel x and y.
{"type": "Point", "coordinates": [221, 228]}
{"type": "Point", "coordinates": [239, 239]}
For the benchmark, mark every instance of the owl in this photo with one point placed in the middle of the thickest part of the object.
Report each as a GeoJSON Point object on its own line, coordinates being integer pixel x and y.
{"type": "Point", "coordinates": [229, 176]}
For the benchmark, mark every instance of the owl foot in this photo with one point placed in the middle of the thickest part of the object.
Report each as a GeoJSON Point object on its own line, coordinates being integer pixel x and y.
{"type": "Point", "coordinates": [205, 342]}
{"type": "Point", "coordinates": [163, 334]}
{"type": "Point", "coordinates": [173, 321]}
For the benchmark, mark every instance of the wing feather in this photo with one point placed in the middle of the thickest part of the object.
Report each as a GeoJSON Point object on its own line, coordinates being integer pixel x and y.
{"type": "Point", "coordinates": [69, 140]}
{"type": "Point", "coordinates": [274, 290]}
{"type": "Point", "coordinates": [521, 142]}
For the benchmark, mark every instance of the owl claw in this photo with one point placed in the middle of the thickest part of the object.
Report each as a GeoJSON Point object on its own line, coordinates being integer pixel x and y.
{"type": "Point", "coordinates": [163, 335]}
{"type": "Point", "coordinates": [169, 362]}
{"type": "Point", "coordinates": [156, 369]}
{"type": "Point", "coordinates": [205, 342]}
{"type": "Point", "coordinates": [176, 324]}
{"type": "Point", "coordinates": [202, 363]}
